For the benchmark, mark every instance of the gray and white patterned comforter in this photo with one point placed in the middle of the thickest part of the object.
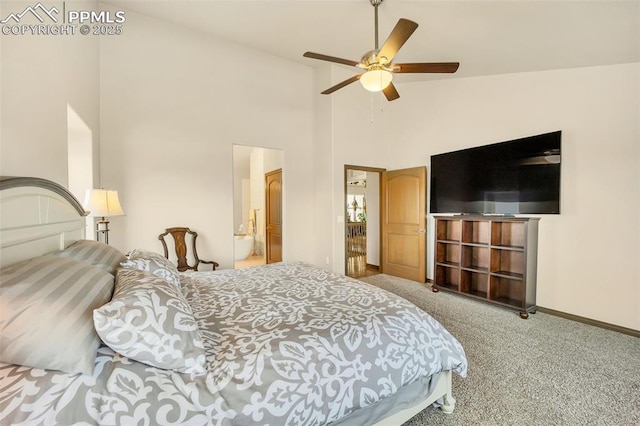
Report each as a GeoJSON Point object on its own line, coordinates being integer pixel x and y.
{"type": "Point", "coordinates": [286, 344]}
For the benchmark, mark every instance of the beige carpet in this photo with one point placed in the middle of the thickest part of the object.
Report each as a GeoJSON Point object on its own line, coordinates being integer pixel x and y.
{"type": "Point", "coordinates": [544, 370]}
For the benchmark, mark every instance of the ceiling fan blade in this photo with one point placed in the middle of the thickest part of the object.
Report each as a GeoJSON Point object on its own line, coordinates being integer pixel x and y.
{"type": "Point", "coordinates": [427, 67]}
{"type": "Point", "coordinates": [330, 59]}
{"type": "Point", "coordinates": [399, 35]}
{"type": "Point", "coordinates": [390, 92]}
{"type": "Point", "coordinates": [341, 85]}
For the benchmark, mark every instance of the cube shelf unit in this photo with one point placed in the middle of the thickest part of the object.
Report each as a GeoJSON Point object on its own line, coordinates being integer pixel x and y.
{"type": "Point", "coordinates": [489, 258]}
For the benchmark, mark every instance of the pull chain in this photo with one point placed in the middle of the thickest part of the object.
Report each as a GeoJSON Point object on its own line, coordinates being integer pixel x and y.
{"type": "Point", "coordinates": [371, 109]}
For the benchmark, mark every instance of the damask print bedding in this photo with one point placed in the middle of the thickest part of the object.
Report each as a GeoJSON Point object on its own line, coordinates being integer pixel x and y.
{"type": "Point", "coordinates": [285, 344]}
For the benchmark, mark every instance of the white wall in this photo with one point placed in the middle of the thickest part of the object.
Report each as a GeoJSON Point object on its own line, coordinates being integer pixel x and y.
{"type": "Point", "coordinates": [241, 194]}
{"type": "Point", "coordinates": [244, 207]}
{"type": "Point", "coordinates": [173, 102]}
{"type": "Point", "coordinates": [39, 76]}
{"type": "Point", "coordinates": [324, 223]}
{"type": "Point", "coordinates": [589, 256]}
{"type": "Point", "coordinates": [272, 160]}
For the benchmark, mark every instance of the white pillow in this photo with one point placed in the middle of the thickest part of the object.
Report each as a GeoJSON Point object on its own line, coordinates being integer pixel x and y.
{"type": "Point", "coordinates": [149, 320]}
{"type": "Point", "coordinates": [148, 261]}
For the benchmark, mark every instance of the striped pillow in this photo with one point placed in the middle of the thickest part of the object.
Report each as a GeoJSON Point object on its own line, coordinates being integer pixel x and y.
{"type": "Point", "coordinates": [46, 309]}
{"type": "Point", "coordinates": [94, 253]}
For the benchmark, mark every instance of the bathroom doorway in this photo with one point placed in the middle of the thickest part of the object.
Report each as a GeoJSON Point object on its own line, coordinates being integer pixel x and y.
{"type": "Point", "coordinates": [250, 165]}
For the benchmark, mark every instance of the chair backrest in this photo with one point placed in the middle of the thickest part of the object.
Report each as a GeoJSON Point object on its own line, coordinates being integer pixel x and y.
{"type": "Point", "coordinates": [180, 242]}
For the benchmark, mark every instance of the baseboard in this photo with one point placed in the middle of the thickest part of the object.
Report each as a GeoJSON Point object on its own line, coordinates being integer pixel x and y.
{"type": "Point", "coordinates": [595, 323]}
{"type": "Point", "coordinates": [605, 325]}
{"type": "Point", "coordinates": [370, 266]}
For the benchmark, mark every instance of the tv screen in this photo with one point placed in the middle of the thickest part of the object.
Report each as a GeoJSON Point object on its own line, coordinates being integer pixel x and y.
{"type": "Point", "coordinates": [521, 176]}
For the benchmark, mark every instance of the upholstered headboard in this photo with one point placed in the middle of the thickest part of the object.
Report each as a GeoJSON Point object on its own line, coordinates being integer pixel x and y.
{"type": "Point", "coordinates": [37, 216]}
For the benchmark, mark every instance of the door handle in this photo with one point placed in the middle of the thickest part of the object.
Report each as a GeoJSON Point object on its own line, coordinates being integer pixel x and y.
{"type": "Point", "coordinates": [421, 231]}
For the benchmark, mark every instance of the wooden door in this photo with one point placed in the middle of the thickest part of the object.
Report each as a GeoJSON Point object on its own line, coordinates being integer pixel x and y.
{"type": "Point", "coordinates": [273, 216]}
{"type": "Point", "coordinates": [404, 223]}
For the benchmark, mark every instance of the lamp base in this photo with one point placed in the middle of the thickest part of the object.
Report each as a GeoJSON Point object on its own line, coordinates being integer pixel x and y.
{"type": "Point", "coordinates": [102, 227]}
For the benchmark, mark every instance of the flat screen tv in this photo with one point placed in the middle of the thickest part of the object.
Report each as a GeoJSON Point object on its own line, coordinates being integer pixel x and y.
{"type": "Point", "coordinates": [520, 176]}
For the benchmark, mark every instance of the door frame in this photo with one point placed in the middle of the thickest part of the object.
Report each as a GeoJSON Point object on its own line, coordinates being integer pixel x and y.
{"type": "Point", "coordinates": [345, 201]}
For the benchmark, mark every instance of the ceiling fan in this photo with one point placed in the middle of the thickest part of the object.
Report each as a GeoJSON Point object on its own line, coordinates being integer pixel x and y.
{"type": "Point", "coordinates": [377, 63]}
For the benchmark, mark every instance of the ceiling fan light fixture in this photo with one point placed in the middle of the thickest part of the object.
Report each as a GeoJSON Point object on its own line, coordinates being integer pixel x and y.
{"type": "Point", "coordinates": [376, 80]}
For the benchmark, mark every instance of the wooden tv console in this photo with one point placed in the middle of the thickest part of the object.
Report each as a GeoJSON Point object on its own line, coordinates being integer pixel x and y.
{"type": "Point", "coordinates": [492, 258]}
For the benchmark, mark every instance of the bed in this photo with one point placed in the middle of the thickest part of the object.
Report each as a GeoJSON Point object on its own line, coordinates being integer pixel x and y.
{"type": "Point", "coordinates": [282, 344]}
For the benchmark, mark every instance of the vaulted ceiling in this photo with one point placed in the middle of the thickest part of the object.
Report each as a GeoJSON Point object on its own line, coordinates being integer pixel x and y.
{"type": "Point", "coordinates": [486, 37]}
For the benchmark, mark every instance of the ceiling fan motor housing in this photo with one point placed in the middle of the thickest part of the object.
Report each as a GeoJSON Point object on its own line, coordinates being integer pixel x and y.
{"type": "Point", "coordinates": [370, 59]}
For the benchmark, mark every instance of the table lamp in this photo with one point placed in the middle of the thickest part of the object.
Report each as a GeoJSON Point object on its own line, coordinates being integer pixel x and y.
{"type": "Point", "coordinates": [102, 203]}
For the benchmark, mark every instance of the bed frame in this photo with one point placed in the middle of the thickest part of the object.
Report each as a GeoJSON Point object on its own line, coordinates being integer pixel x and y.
{"type": "Point", "coordinates": [441, 393]}
{"type": "Point", "coordinates": [38, 216]}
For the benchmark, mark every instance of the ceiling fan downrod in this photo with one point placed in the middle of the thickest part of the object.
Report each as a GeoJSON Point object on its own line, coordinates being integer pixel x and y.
{"type": "Point", "coordinates": [375, 4]}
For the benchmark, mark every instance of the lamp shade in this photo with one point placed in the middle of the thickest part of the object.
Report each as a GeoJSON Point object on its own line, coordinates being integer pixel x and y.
{"type": "Point", "coordinates": [102, 202]}
{"type": "Point", "coordinates": [376, 80]}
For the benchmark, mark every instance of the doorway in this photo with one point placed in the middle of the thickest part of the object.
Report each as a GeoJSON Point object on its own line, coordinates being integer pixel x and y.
{"type": "Point", "coordinates": [385, 226]}
{"type": "Point", "coordinates": [362, 220]}
{"type": "Point", "coordinates": [250, 166]}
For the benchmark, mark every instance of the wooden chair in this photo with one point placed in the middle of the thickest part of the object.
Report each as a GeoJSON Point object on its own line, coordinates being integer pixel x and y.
{"type": "Point", "coordinates": [179, 238]}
